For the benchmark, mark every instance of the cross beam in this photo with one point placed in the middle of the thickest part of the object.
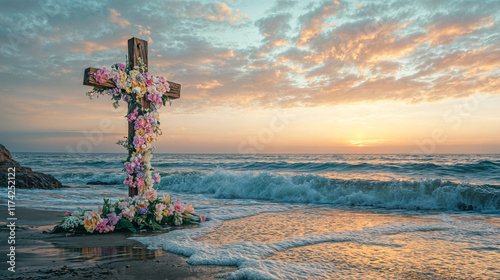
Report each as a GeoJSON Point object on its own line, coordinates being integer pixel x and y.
{"type": "Point", "coordinates": [137, 48]}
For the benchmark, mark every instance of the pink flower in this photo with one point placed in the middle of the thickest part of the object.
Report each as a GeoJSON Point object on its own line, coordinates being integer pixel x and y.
{"type": "Point", "coordinates": [170, 210]}
{"type": "Point", "coordinates": [129, 167]}
{"type": "Point", "coordinates": [140, 123]}
{"type": "Point", "coordinates": [149, 80]}
{"type": "Point", "coordinates": [202, 218]}
{"type": "Point", "coordinates": [151, 194]}
{"type": "Point", "coordinates": [138, 141]}
{"type": "Point", "coordinates": [133, 115]}
{"type": "Point", "coordinates": [140, 183]}
{"type": "Point", "coordinates": [129, 181]}
{"type": "Point", "coordinates": [102, 75]}
{"type": "Point", "coordinates": [121, 66]}
{"type": "Point", "coordinates": [68, 213]}
{"type": "Point", "coordinates": [102, 227]}
{"type": "Point", "coordinates": [129, 212]}
{"type": "Point", "coordinates": [157, 178]}
{"type": "Point", "coordinates": [189, 208]}
{"type": "Point", "coordinates": [156, 99]}
{"type": "Point", "coordinates": [179, 207]}
{"type": "Point", "coordinates": [167, 86]}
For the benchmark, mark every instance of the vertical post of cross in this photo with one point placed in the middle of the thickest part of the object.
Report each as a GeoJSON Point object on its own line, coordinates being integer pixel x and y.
{"type": "Point", "coordinates": [137, 48]}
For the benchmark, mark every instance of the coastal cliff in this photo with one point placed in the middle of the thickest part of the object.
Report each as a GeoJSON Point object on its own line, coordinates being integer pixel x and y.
{"type": "Point", "coordinates": [24, 176]}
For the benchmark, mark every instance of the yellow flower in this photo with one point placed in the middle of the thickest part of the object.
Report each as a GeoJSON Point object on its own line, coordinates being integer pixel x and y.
{"type": "Point", "coordinates": [166, 199]}
{"type": "Point", "coordinates": [139, 132]}
{"type": "Point", "coordinates": [91, 219]}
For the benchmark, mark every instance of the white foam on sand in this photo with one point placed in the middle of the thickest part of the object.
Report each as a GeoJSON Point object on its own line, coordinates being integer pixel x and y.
{"type": "Point", "coordinates": [250, 256]}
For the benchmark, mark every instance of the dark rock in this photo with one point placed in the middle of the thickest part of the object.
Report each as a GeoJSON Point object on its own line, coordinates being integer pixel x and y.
{"type": "Point", "coordinates": [24, 176]}
{"type": "Point", "coordinates": [100, 183]}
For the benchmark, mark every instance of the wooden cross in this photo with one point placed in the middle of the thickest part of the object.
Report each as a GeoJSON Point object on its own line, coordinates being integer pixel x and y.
{"type": "Point", "coordinates": [137, 48]}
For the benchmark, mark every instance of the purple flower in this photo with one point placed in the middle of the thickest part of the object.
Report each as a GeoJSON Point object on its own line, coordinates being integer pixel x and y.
{"type": "Point", "coordinates": [115, 91]}
{"type": "Point", "coordinates": [142, 211]}
{"type": "Point", "coordinates": [113, 219]}
{"type": "Point", "coordinates": [140, 175]}
{"type": "Point", "coordinates": [138, 168]}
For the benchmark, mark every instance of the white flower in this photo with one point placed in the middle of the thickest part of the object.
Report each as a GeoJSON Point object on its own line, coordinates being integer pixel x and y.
{"type": "Point", "coordinates": [134, 74]}
{"type": "Point", "coordinates": [71, 222]}
{"type": "Point", "coordinates": [178, 220]}
{"type": "Point", "coordinates": [137, 90]}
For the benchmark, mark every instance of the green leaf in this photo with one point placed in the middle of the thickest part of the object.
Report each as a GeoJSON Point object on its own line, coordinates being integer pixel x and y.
{"type": "Point", "coordinates": [155, 225]}
{"type": "Point", "coordinates": [125, 224]}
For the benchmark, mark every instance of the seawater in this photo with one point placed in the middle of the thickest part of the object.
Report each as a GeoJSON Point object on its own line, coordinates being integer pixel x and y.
{"type": "Point", "coordinates": [310, 216]}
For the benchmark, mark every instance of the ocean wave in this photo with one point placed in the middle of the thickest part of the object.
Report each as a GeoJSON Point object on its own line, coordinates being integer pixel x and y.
{"type": "Point", "coordinates": [405, 167]}
{"type": "Point", "coordinates": [316, 189]}
{"type": "Point", "coordinates": [90, 177]}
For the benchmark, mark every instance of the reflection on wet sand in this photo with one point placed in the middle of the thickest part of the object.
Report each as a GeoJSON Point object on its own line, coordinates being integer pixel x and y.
{"type": "Point", "coordinates": [465, 247]}
{"type": "Point", "coordinates": [272, 227]}
{"type": "Point", "coordinates": [115, 252]}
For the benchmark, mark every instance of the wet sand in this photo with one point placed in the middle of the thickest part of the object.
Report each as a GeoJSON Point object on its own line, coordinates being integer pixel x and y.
{"type": "Point", "coordinates": [41, 255]}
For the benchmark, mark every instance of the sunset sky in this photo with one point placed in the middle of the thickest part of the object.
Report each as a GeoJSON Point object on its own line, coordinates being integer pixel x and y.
{"type": "Point", "coordinates": [260, 76]}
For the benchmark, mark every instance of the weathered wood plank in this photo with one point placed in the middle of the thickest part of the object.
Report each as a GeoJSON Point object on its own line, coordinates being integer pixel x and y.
{"type": "Point", "coordinates": [88, 80]}
{"type": "Point", "coordinates": [137, 48]}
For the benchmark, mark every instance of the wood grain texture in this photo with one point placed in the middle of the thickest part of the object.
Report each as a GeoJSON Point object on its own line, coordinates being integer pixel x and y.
{"type": "Point", "coordinates": [137, 48]}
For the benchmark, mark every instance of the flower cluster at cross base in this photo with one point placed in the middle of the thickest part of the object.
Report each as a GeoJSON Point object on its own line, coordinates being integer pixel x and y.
{"type": "Point", "coordinates": [145, 210]}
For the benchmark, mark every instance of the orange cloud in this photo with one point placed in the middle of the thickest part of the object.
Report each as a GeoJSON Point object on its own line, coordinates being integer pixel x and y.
{"type": "Point", "coordinates": [446, 31]}
{"type": "Point", "coordinates": [88, 47]}
{"type": "Point", "coordinates": [315, 24]}
{"type": "Point", "coordinates": [216, 12]}
{"type": "Point", "coordinates": [209, 85]}
{"type": "Point", "coordinates": [114, 17]}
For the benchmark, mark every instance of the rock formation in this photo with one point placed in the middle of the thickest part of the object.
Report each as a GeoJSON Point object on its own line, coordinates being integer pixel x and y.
{"type": "Point", "coordinates": [25, 177]}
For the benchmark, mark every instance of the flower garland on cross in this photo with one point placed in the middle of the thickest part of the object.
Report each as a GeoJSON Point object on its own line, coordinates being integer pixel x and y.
{"type": "Point", "coordinates": [146, 209]}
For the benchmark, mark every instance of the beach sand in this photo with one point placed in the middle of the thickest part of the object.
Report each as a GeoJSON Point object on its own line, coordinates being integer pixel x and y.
{"type": "Point", "coordinates": [40, 255]}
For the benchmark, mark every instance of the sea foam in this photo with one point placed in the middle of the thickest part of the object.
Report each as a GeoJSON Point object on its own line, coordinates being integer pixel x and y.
{"type": "Point", "coordinates": [250, 256]}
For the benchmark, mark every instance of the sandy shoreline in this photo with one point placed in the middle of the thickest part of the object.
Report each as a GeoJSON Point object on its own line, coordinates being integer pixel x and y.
{"type": "Point", "coordinates": [40, 255]}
